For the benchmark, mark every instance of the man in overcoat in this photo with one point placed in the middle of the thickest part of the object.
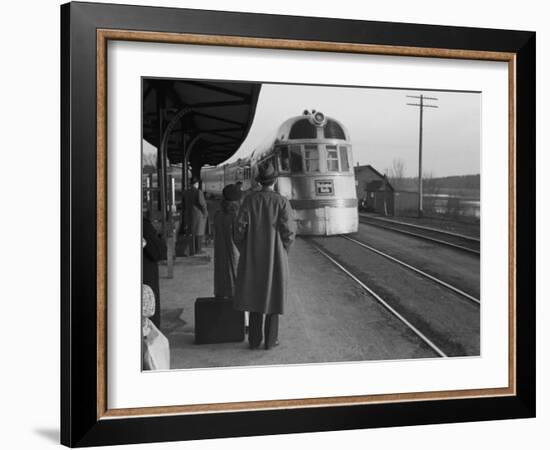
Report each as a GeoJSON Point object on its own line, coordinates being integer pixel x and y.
{"type": "Point", "coordinates": [265, 231]}
{"type": "Point", "coordinates": [194, 212]}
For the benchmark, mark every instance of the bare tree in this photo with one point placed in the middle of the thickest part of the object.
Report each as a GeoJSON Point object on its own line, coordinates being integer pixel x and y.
{"type": "Point", "coordinates": [396, 173]}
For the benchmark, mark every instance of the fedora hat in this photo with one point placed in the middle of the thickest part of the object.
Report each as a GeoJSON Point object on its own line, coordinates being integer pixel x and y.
{"type": "Point", "coordinates": [266, 173]}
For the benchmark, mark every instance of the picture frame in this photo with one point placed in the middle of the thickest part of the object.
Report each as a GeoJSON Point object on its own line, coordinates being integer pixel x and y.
{"type": "Point", "coordinates": [86, 28]}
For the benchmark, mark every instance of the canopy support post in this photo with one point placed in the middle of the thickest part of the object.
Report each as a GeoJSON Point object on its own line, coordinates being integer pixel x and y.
{"type": "Point", "coordinates": [168, 228]}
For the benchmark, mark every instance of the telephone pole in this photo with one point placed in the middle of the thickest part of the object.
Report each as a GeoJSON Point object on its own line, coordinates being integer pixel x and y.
{"type": "Point", "coordinates": [421, 105]}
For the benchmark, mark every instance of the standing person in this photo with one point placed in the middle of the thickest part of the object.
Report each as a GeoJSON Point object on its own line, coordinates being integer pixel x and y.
{"type": "Point", "coordinates": [239, 185]}
{"type": "Point", "coordinates": [153, 251]}
{"type": "Point", "coordinates": [194, 212]}
{"type": "Point", "coordinates": [226, 254]}
{"type": "Point", "coordinates": [265, 232]}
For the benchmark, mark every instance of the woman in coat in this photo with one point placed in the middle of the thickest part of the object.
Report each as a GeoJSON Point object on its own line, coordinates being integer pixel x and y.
{"type": "Point", "coordinates": [265, 232]}
{"type": "Point", "coordinates": [226, 254]}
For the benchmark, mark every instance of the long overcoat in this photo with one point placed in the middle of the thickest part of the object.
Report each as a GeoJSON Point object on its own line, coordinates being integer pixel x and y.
{"type": "Point", "coordinates": [265, 231]}
{"type": "Point", "coordinates": [194, 211]}
{"type": "Point", "coordinates": [226, 253]}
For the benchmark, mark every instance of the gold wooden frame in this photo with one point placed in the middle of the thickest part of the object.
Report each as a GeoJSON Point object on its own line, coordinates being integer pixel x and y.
{"type": "Point", "coordinates": [104, 35]}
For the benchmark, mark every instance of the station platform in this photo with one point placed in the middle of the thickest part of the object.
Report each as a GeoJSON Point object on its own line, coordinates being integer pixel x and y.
{"type": "Point", "coordinates": [327, 318]}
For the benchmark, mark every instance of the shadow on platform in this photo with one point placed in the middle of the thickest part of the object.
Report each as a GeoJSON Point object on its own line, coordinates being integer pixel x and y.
{"type": "Point", "coordinates": [326, 319]}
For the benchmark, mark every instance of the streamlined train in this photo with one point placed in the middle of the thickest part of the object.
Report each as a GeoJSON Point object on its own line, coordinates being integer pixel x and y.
{"type": "Point", "coordinates": [312, 154]}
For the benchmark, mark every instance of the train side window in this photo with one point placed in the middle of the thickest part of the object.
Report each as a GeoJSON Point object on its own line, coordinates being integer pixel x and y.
{"type": "Point", "coordinates": [276, 162]}
{"type": "Point", "coordinates": [311, 158]}
{"type": "Point", "coordinates": [273, 161]}
{"type": "Point", "coordinates": [296, 159]}
{"type": "Point", "coordinates": [344, 160]}
{"type": "Point", "coordinates": [332, 158]}
{"type": "Point", "coordinates": [284, 162]}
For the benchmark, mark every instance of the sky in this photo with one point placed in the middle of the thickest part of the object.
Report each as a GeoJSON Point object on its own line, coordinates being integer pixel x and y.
{"type": "Point", "coordinates": [381, 125]}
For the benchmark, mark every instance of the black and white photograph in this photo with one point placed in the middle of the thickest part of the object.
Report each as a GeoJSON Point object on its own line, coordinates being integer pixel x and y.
{"type": "Point", "coordinates": [301, 224]}
{"type": "Point", "coordinates": [275, 225]}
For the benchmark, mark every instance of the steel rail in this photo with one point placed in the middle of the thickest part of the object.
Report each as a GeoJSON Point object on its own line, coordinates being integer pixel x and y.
{"type": "Point", "coordinates": [380, 300]}
{"type": "Point", "coordinates": [414, 269]}
{"type": "Point", "coordinates": [365, 221]}
{"type": "Point", "coordinates": [421, 227]}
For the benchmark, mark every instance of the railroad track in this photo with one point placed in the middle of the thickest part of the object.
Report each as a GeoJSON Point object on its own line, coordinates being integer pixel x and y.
{"type": "Point", "coordinates": [450, 239]}
{"type": "Point", "coordinates": [416, 270]}
{"type": "Point", "coordinates": [385, 304]}
{"type": "Point", "coordinates": [410, 319]}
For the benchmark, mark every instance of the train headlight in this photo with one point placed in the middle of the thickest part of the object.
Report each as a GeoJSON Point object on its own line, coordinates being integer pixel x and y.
{"type": "Point", "coordinates": [319, 118]}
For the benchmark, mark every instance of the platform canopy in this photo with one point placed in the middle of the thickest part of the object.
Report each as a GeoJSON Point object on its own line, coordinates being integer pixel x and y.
{"type": "Point", "coordinates": [220, 117]}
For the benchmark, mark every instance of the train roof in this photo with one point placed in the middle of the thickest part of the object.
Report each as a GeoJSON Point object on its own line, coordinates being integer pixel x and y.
{"type": "Point", "coordinates": [306, 126]}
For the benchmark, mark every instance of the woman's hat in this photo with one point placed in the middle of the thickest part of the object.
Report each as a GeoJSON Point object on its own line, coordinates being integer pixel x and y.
{"type": "Point", "coordinates": [194, 180]}
{"type": "Point", "coordinates": [266, 173]}
{"type": "Point", "coordinates": [232, 193]}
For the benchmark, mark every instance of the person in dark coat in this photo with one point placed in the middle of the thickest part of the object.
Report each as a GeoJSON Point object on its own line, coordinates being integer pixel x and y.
{"type": "Point", "coordinates": [226, 254]}
{"type": "Point", "coordinates": [153, 252]}
{"type": "Point", "coordinates": [265, 232]}
{"type": "Point", "coordinates": [194, 212]}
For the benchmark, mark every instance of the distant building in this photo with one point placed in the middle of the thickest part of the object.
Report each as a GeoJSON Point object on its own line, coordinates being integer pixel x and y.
{"type": "Point", "coordinates": [374, 191]}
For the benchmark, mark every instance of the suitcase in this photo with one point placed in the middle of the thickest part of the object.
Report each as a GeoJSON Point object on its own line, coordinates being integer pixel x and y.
{"type": "Point", "coordinates": [216, 321]}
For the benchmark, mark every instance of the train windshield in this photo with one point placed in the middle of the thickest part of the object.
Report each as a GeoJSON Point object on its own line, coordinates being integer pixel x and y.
{"type": "Point", "coordinates": [334, 131]}
{"type": "Point", "coordinates": [311, 158]}
{"type": "Point", "coordinates": [344, 158]}
{"type": "Point", "coordinates": [332, 158]}
{"type": "Point", "coordinates": [303, 129]}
